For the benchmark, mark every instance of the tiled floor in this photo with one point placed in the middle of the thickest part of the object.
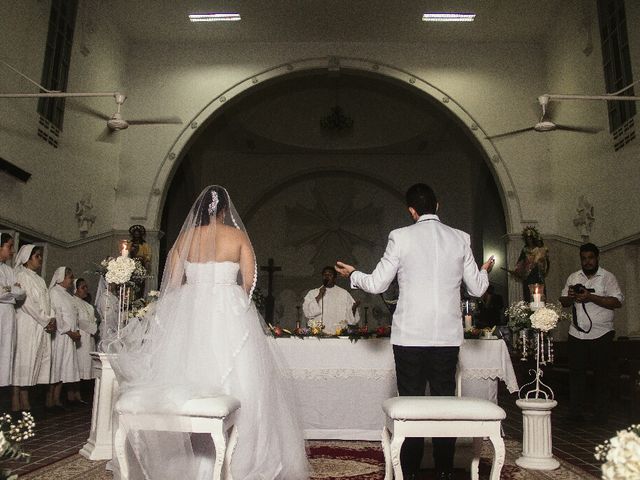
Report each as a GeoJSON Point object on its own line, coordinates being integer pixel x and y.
{"type": "Point", "coordinates": [62, 434]}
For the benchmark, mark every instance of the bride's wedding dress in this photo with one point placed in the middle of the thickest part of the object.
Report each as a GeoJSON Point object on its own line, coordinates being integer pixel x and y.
{"type": "Point", "coordinates": [206, 339]}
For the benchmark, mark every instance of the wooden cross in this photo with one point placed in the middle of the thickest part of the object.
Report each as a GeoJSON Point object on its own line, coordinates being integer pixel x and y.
{"type": "Point", "coordinates": [270, 268]}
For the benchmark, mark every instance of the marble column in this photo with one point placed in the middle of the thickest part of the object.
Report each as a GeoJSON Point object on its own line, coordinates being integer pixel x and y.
{"type": "Point", "coordinates": [100, 442]}
{"type": "Point", "coordinates": [536, 434]}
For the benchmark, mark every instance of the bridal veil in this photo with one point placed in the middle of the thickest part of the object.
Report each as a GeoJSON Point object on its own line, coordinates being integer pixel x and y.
{"type": "Point", "coordinates": [206, 338]}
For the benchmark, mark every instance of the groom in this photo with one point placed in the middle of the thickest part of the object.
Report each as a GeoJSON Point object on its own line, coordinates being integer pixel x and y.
{"type": "Point", "coordinates": [431, 261]}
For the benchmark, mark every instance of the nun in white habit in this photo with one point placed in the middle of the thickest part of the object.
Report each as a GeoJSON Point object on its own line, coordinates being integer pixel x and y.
{"type": "Point", "coordinates": [64, 357]}
{"type": "Point", "coordinates": [35, 321]}
{"type": "Point", "coordinates": [10, 292]}
{"type": "Point", "coordinates": [88, 327]}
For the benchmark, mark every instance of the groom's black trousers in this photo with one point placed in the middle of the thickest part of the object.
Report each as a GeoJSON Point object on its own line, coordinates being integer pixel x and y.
{"type": "Point", "coordinates": [415, 366]}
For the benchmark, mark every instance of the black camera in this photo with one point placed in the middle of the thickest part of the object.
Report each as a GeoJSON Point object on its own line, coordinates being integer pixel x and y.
{"type": "Point", "coordinates": [579, 288]}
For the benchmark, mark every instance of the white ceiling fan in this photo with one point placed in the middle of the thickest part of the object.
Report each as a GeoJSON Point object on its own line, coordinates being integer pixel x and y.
{"type": "Point", "coordinates": [547, 125]}
{"type": "Point", "coordinates": [115, 122]}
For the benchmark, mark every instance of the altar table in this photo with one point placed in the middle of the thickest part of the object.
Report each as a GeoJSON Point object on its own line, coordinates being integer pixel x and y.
{"type": "Point", "coordinates": [340, 385]}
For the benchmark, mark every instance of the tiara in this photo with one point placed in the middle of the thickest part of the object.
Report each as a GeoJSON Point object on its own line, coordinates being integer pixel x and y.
{"type": "Point", "coordinates": [214, 203]}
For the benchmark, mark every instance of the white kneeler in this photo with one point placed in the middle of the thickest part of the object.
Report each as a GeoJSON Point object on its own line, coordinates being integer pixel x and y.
{"type": "Point", "coordinates": [441, 417]}
{"type": "Point", "coordinates": [214, 415]}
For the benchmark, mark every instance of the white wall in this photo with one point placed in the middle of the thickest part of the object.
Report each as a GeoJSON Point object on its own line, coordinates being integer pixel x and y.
{"type": "Point", "coordinates": [495, 84]}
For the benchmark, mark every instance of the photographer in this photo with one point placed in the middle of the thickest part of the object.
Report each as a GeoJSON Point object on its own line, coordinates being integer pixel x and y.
{"type": "Point", "coordinates": [593, 293]}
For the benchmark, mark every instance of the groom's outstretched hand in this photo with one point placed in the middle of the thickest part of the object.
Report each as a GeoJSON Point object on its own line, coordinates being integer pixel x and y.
{"type": "Point", "coordinates": [343, 269]}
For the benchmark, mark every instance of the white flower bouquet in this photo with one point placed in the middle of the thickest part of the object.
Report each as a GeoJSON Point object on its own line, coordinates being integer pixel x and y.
{"type": "Point", "coordinates": [621, 455]}
{"type": "Point", "coordinates": [122, 270]}
{"type": "Point", "coordinates": [544, 319]}
{"type": "Point", "coordinates": [11, 435]}
{"type": "Point", "coordinates": [520, 315]}
{"type": "Point", "coordinates": [119, 270]}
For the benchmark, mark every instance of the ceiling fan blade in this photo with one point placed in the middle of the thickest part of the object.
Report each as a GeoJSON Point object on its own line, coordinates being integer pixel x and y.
{"type": "Point", "coordinates": [512, 132]}
{"type": "Point", "coordinates": [81, 107]}
{"type": "Point", "coordinates": [574, 128]}
{"type": "Point", "coordinates": [157, 121]}
{"type": "Point", "coordinates": [107, 136]}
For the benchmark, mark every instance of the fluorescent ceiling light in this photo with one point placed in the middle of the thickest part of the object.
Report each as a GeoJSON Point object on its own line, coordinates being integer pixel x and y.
{"type": "Point", "coordinates": [214, 17]}
{"type": "Point", "coordinates": [448, 17]}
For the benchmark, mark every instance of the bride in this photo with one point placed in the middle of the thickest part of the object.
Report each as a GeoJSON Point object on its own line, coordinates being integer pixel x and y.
{"type": "Point", "coordinates": [206, 338]}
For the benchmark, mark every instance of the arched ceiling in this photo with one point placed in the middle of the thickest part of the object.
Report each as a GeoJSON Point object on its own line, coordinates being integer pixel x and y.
{"type": "Point", "coordinates": [295, 114]}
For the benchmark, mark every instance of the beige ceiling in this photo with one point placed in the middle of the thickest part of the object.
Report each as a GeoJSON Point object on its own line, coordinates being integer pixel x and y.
{"type": "Point", "coordinates": [334, 20]}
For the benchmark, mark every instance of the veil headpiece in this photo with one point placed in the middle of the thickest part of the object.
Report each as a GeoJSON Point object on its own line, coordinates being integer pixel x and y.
{"type": "Point", "coordinates": [58, 276]}
{"type": "Point", "coordinates": [23, 255]}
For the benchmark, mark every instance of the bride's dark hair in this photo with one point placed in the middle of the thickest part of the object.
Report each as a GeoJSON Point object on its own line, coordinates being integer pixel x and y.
{"type": "Point", "coordinates": [206, 208]}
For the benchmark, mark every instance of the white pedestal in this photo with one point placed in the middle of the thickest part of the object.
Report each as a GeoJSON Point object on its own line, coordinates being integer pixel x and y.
{"type": "Point", "coordinates": [100, 442]}
{"type": "Point", "coordinates": [536, 435]}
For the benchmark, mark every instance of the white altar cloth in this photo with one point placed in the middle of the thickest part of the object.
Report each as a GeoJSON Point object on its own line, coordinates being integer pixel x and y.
{"type": "Point", "coordinates": [340, 386]}
{"type": "Point", "coordinates": [481, 364]}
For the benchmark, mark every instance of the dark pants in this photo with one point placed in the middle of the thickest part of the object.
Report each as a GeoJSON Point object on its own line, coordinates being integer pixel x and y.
{"type": "Point", "coordinates": [583, 353]}
{"type": "Point", "coordinates": [415, 366]}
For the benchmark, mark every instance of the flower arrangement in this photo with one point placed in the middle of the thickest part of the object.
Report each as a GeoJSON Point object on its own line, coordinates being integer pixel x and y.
{"type": "Point", "coordinates": [621, 455]}
{"type": "Point", "coordinates": [354, 332]}
{"type": "Point", "coordinates": [142, 307]}
{"type": "Point", "coordinates": [544, 319]}
{"type": "Point", "coordinates": [11, 436]}
{"type": "Point", "coordinates": [122, 270]}
{"type": "Point", "coordinates": [316, 326]}
{"type": "Point", "coordinates": [474, 333]}
{"type": "Point", "coordinates": [519, 315]}
{"type": "Point", "coordinates": [534, 340]}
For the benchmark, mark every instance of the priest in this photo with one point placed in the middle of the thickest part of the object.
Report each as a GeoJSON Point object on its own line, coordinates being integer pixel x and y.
{"type": "Point", "coordinates": [330, 305]}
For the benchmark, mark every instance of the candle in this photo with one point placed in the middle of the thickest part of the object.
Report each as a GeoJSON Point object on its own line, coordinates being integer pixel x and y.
{"type": "Point", "coordinates": [537, 298]}
{"type": "Point", "coordinates": [468, 322]}
{"type": "Point", "coordinates": [124, 251]}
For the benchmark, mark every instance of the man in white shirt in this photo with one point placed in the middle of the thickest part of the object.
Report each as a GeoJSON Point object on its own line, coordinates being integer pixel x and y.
{"type": "Point", "coordinates": [431, 261]}
{"type": "Point", "coordinates": [593, 293]}
{"type": "Point", "coordinates": [330, 304]}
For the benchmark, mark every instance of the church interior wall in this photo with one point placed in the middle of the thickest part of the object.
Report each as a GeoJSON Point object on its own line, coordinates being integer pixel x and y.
{"type": "Point", "coordinates": [495, 83]}
{"type": "Point", "coordinates": [583, 164]}
{"type": "Point", "coordinates": [80, 166]}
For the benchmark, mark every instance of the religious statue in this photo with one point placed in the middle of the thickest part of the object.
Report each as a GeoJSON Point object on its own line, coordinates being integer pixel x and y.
{"type": "Point", "coordinates": [140, 249]}
{"type": "Point", "coordinates": [83, 214]}
{"type": "Point", "coordinates": [533, 263]}
{"type": "Point", "coordinates": [584, 218]}
{"type": "Point", "coordinates": [138, 246]}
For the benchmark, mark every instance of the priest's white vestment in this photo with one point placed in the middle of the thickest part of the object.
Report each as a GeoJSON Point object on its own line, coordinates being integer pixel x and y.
{"type": "Point", "coordinates": [32, 360]}
{"type": "Point", "coordinates": [64, 358]}
{"type": "Point", "coordinates": [335, 308]}
{"type": "Point", "coordinates": [88, 327]}
{"type": "Point", "coordinates": [9, 294]}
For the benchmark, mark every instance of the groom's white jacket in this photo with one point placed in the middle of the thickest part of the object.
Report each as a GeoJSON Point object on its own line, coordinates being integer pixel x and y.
{"type": "Point", "coordinates": [431, 261]}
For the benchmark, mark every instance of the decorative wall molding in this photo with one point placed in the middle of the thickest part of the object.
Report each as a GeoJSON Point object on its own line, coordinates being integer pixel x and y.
{"type": "Point", "coordinates": [168, 165]}
{"type": "Point", "coordinates": [58, 242]}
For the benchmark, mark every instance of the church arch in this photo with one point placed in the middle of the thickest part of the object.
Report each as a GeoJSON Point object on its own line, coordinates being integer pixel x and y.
{"type": "Point", "coordinates": [496, 166]}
